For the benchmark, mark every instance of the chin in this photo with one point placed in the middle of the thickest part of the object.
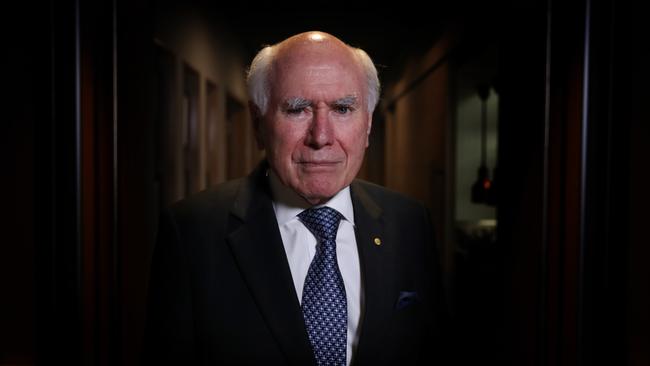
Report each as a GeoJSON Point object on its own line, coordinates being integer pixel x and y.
{"type": "Point", "coordinates": [319, 193]}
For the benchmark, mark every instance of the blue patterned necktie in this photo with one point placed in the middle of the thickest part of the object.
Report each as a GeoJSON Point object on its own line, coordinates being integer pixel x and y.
{"type": "Point", "coordinates": [324, 305]}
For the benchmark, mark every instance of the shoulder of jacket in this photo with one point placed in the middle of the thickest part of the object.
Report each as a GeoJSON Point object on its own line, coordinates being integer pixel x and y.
{"type": "Point", "coordinates": [219, 197]}
{"type": "Point", "coordinates": [386, 197]}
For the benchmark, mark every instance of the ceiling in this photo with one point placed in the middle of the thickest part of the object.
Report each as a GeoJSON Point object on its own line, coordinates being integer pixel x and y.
{"type": "Point", "coordinates": [390, 33]}
{"type": "Point", "coordinates": [387, 34]}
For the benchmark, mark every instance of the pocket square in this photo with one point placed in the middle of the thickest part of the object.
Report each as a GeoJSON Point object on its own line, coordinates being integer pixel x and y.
{"type": "Point", "coordinates": [406, 299]}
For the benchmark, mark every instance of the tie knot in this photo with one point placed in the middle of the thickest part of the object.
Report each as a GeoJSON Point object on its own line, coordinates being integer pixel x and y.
{"type": "Point", "coordinates": [323, 222]}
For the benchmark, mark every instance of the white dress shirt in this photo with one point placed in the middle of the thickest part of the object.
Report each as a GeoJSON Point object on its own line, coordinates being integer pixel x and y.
{"type": "Point", "coordinates": [300, 247]}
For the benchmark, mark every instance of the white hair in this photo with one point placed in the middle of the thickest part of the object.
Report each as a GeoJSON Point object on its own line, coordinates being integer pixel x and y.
{"type": "Point", "coordinates": [257, 78]}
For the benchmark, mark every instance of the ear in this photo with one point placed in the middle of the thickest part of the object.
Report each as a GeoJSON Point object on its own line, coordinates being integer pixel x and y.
{"type": "Point", "coordinates": [256, 119]}
{"type": "Point", "coordinates": [369, 129]}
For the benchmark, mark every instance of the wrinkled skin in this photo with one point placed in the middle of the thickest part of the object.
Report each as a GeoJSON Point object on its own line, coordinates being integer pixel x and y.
{"type": "Point", "coordinates": [316, 127]}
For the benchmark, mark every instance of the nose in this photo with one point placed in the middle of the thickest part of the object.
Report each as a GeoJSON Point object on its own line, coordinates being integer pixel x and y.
{"type": "Point", "coordinates": [321, 131]}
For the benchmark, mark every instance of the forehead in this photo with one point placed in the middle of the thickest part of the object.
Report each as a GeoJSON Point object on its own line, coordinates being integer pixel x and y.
{"type": "Point", "coordinates": [317, 70]}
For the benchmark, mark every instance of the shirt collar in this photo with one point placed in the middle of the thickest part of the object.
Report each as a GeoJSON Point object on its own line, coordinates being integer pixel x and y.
{"type": "Point", "coordinates": [288, 204]}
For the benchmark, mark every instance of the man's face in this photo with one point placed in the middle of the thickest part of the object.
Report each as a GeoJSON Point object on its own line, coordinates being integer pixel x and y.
{"type": "Point", "coordinates": [316, 127]}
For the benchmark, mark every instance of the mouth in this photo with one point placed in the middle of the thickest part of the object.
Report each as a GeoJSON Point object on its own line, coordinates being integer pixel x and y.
{"type": "Point", "coordinates": [318, 165]}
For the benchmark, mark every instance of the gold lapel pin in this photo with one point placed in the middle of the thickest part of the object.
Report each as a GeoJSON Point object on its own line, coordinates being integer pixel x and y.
{"type": "Point", "coordinates": [377, 241]}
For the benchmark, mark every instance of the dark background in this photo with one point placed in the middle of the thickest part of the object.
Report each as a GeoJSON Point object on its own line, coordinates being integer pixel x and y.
{"type": "Point", "coordinates": [565, 284]}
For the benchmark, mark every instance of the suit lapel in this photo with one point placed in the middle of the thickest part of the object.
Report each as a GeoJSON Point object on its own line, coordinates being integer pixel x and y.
{"type": "Point", "coordinates": [256, 244]}
{"type": "Point", "coordinates": [377, 274]}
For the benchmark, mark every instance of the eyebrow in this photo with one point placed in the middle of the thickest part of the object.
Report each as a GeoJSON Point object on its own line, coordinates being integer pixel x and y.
{"type": "Point", "coordinates": [297, 103]}
{"type": "Point", "coordinates": [300, 102]}
{"type": "Point", "coordinates": [347, 101]}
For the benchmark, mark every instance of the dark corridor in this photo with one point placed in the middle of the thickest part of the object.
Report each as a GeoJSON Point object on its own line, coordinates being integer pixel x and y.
{"type": "Point", "coordinates": [117, 109]}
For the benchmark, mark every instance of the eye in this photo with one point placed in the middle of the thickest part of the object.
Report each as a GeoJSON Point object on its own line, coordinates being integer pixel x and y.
{"type": "Point", "coordinates": [295, 111]}
{"type": "Point", "coordinates": [343, 109]}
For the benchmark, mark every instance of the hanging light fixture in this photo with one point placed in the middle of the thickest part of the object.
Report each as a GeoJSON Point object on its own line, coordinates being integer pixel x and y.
{"type": "Point", "coordinates": [483, 185]}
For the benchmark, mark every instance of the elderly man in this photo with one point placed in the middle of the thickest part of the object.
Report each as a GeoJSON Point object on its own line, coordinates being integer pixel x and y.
{"type": "Point", "coordinates": [299, 263]}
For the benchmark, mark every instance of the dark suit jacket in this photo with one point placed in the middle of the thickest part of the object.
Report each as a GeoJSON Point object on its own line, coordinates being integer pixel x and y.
{"type": "Point", "coordinates": [221, 291]}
